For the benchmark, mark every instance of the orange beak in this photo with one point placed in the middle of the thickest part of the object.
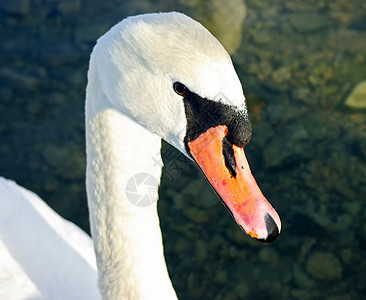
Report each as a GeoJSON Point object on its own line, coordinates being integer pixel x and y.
{"type": "Point", "coordinates": [239, 191]}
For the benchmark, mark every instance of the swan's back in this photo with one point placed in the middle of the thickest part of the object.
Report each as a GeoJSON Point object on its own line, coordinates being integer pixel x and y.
{"type": "Point", "coordinates": [41, 254]}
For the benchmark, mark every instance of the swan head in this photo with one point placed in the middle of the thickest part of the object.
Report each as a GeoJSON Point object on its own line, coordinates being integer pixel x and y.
{"type": "Point", "coordinates": [169, 74]}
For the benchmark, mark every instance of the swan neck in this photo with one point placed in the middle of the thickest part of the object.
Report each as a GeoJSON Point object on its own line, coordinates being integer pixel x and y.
{"type": "Point", "coordinates": [126, 234]}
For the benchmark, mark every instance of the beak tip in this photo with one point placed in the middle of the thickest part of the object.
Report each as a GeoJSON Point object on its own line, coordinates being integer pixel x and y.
{"type": "Point", "coordinates": [272, 229]}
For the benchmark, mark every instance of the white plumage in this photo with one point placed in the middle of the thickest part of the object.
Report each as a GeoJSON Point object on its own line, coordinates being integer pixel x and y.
{"type": "Point", "coordinates": [41, 254]}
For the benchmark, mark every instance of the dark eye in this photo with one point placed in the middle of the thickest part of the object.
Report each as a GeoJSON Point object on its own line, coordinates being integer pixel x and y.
{"type": "Point", "coordinates": [180, 88]}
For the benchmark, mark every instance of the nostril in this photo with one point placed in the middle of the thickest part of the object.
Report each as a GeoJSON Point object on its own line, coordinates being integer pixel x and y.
{"type": "Point", "coordinates": [272, 230]}
{"type": "Point", "coordinates": [228, 152]}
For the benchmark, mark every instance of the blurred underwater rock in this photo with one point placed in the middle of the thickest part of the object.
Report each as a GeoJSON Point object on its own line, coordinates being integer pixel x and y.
{"type": "Point", "coordinates": [357, 98]}
{"type": "Point", "coordinates": [225, 22]}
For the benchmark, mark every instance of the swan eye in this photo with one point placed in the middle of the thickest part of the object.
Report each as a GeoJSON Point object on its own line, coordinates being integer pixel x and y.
{"type": "Point", "coordinates": [180, 88]}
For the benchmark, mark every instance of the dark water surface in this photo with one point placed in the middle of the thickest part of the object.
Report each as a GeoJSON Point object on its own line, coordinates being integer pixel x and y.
{"type": "Point", "coordinates": [303, 69]}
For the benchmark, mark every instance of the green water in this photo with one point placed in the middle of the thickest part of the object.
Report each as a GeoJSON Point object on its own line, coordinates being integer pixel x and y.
{"type": "Point", "coordinates": [299, 63]}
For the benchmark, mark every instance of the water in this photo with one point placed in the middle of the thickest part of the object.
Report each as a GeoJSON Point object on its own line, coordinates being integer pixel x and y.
{"type": "Point", "coordinates": [298, 61]}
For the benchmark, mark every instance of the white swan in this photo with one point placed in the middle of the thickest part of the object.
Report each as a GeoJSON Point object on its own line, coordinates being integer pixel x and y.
{"type": "Point", "coordinates": [151, 76]}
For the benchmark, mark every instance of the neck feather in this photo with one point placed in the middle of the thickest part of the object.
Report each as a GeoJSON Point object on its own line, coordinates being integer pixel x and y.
{"type": "Point", "coordinates": [127, 238]}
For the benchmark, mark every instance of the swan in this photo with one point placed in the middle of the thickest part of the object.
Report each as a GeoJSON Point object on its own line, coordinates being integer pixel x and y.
{"type": "Point", "coordinates": [151, 77]}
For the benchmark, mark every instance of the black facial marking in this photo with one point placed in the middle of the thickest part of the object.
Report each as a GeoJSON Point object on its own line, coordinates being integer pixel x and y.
{"type": "Point", "coordinates": [202, 114]}
{"type": "Point", "coordinates": [228, 152]}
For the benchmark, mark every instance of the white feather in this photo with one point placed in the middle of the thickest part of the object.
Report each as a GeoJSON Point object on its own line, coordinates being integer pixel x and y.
{"type": "Point", "coordinates": [42, 255]}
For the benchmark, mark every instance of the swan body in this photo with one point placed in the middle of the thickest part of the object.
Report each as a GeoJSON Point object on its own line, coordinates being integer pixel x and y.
{"type": "Point", "coordinates": [42, 255]}
{"type": "Point", "coordinates": [151, 77]}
